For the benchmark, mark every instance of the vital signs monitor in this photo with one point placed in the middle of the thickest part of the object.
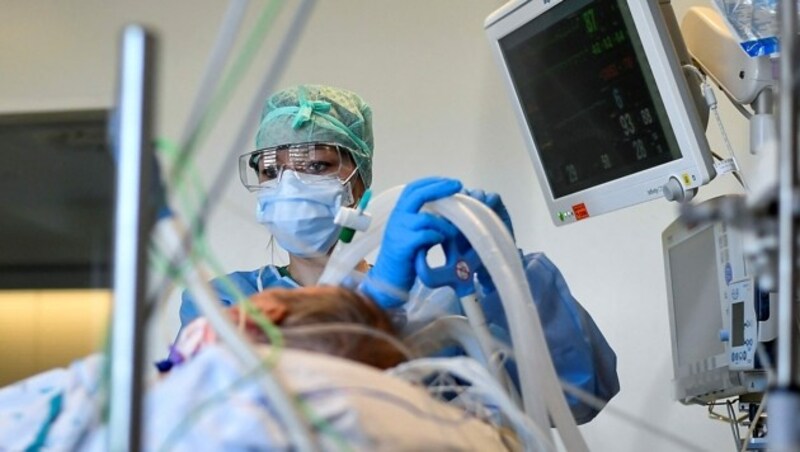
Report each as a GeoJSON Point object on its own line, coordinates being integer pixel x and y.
{"type": "Point", "coordinates": [600, 94]}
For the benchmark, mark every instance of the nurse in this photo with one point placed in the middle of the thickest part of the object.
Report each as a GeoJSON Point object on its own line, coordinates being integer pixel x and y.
{"type": "Point", "coordinates": [314, 149]}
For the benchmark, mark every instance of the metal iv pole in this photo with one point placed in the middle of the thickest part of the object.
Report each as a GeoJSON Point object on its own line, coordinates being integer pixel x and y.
{"type": "Point", "coordinates": [134, 216]}
{"type": "Point", "coordinates": [784, 395]}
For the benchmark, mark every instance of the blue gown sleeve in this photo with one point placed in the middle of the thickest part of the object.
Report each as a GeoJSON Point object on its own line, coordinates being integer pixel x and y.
{"type": "Point", "coordinates": [581, 355]}
{"type": "Point", "coordinates": [244, 281]}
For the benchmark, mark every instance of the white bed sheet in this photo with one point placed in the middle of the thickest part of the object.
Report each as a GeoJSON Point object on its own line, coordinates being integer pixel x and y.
{"type": "Point", "coordinates": [206, 404]}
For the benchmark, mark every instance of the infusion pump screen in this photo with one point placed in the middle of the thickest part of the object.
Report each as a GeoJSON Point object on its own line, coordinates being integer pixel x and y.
{"type": "Point", "coordinates": [588, 95]}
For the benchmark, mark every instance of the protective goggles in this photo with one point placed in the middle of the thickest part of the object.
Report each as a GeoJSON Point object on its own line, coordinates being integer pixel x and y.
{"type": "Point", "coordinates": [312, 162]}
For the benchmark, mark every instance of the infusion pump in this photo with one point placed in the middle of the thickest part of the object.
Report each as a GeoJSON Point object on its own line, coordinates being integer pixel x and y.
{"type": "Point", "coordinates": [718, 317]}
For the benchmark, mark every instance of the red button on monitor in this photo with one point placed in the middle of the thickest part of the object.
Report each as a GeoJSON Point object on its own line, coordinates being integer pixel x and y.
{"type": "Point", "coordinates": [580, 211]}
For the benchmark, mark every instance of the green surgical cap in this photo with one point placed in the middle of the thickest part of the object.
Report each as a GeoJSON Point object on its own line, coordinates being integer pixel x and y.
{"type": "Point", "coordinates": [322, 114]}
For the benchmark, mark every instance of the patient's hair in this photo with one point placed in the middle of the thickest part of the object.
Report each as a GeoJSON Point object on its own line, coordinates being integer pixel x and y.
{"type": "Point", "coordinates": [334, 309]}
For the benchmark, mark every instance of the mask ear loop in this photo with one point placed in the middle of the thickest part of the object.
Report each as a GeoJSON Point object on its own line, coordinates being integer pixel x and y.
{"type": "Point", "coordinates": [347, 182]}
{"type": "Point", "coordinates": [348, 200]}
{"type": "Point", "coordinates": [271, 250]}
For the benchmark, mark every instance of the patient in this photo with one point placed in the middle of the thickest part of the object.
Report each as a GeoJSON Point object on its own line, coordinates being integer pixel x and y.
{"type": "Point", "coordinates": [307, 306]}
{"type": "Point", "coordinates": [359, 407]}
{"type": "Point", "coordinates": [350, 325]}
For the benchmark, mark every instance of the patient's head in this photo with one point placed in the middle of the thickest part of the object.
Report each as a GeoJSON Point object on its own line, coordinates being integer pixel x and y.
{"type": "Point", "coordinates": [297, 310]}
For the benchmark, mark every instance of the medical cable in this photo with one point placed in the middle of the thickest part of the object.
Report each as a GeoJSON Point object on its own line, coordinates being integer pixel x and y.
{"type": "Point", "coordinates": [207, 93]}
{"type": "Point", "coordinates": [221, 96]}
{"type": "Point", "coordinates": [455, 330]}
{"type": "Point", "coordinates": [637, 421]}
{"type": "Point", "coordinates": [719, 417]}
{"type": "Point", "coordinates": [734, 173]}
{"type": "Point", "coordinates": [276, 338]}
{"type": "Point", "coordinates": [730, 419]}
{"type": "Point", "coordinates": [481, 381]}
{"type": "Point", "coordinates": [208, 303]}
{"type": "Point", "coordinates": [199, 124]}
{"type": "Point", "coordinates": [711, 102]}
{"type": "Point", "coordinates": [728, 145]}
{"type": "Point", "coordinates": [323, 426]}
{"type": "Point", "coordinates": [201, 251]}
{"type": "Point", "coordinates": [319, 424]}
{"type": "Point", "coordinates": [733, 423]}
{"type": "Point", "coordinates": [498, 360]}
{"type": "Point", "coordinates": [276, 67]}
{"type": "Point", "coordinates": [169, 151]}
{"type": "Point", "coordinates": [159, 263]}
{"type": "Point", "coordinates": [277, 344]}
{"type": "Point", "coordinates": [196, 412]}
{"type": "Point", "coordinates": [754, 423]}
{"type": "Point", "coordinates": [219, 397]}
{"type": "Point", "coordinates": [341, 327]}
{"type": "Point", "coordinates": [767, 363]}
{"type": "Point", "coordinates": [275, 70]}
{"type": "Point", "coordinates": [444, 332]}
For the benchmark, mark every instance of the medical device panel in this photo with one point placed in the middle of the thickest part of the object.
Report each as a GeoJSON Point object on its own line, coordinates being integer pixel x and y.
{"type": "Point", "coordinates": [717, 314]}
{"type": "Point", "coordinates": [606, 112]}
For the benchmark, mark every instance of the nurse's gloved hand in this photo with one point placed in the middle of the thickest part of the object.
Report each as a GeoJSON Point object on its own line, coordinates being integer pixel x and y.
{"type": "Point", "coordinates": [408, 232]}
{"type": "Point", "coordinates": [494, 202]}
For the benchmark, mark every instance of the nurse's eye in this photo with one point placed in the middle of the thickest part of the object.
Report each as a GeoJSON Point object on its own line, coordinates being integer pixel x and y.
{"type": "Point", "coordinates": [268, 173]}
{"type": "Point", "coordinates": [318, 167]}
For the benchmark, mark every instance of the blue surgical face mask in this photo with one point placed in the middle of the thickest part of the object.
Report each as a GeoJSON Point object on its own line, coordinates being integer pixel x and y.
{"type": "Point", "coordinates": [300, 214]}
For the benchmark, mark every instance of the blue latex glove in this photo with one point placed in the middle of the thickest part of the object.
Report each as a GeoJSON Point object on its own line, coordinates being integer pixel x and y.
{"type": "Point", "coordinates": [493, 201]}
{"type": "Point", "coordinates": [408, 232]}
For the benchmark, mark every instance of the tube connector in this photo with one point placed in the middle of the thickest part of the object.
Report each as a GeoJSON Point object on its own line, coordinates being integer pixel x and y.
{"type": "Point", "coordinates": [353, 219]}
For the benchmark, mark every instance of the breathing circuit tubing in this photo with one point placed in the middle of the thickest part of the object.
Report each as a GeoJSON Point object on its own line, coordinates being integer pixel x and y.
{"type": "Point", "coordinates": [541, 391]}
{"type": "Point", "coordinates": [489, 237]}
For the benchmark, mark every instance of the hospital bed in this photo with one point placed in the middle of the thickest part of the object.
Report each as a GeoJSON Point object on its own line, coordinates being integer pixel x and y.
{"type": "Point", "coordinates": [213, 401]}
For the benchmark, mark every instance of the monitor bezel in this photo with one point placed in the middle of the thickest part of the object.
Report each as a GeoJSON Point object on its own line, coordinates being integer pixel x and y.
{"type": "Point", "coordinates": [693, 169]}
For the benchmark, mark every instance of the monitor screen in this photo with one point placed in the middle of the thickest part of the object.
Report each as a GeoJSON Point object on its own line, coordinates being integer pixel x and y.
{"type": "Point", "coordinates": [737, 324]}
{"type": "Point", "coordinates": [588, 95]}
{"type": "Point", "coordinates": [695, 298]}
{"type": "Point", "coordinates": [56, 200]}
{"type": "Point", "coordinates": [607, 114]}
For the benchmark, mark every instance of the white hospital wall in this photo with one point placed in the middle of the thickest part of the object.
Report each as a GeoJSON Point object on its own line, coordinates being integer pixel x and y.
{"type": "Point", "coordinates": [439, 108]}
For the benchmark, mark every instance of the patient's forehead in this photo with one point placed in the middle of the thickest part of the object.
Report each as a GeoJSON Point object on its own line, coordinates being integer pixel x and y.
{"type": "Point", "coordinates": [319, 290]}
{"type": "Point", "coordinates": [301, 293]}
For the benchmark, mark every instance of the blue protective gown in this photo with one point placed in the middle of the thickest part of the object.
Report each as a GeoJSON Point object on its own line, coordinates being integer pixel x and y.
{"type": "Point", "coordinates": [580, 353]}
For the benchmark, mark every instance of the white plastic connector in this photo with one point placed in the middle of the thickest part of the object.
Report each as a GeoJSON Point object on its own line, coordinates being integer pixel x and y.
{"type": "Point", "coordinates": [726, 166]}
{"type": "Point", "coordinates": [352, 218]}
{"type": "Point", "coordinates": [708, 94]}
